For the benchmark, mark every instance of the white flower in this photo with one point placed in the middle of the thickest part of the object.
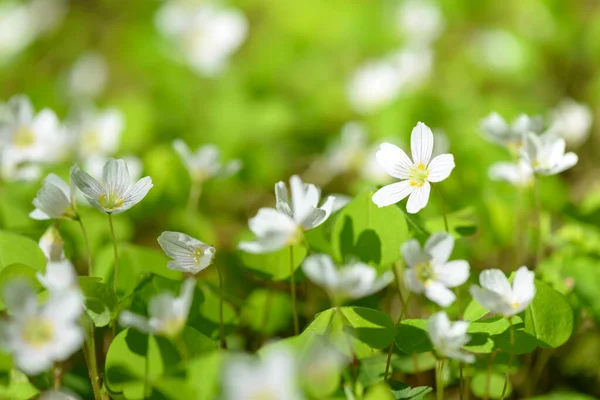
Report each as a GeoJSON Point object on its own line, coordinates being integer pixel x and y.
{"type": "Point", "coordinates": [55, 200]}
{"type": "Point", "coordinates": [94, 165]}
{"type": "Point", "coordinates": [29, 137]}
{"type": "Point", "coordinates": [415, 175]}
{"type": "Point", "coordinates": [98, 132]}
{"type": "Point", "coordinates": [208, 34]}
{"type": "Point", "coordinates": [116, 194]}
{"type": "Point", "coordinates": [349, 152]}
{"type": "Point", "coordinates": [519, 174]}
{"type": "Point", "coordinates": [429, 270]}
{"type": "Point", "coordinates": [572, 121]}
{"type": "Point", "coordinates": [496, 130]}
{"type": "Point", "coordinates": [62, 394]}
{"type": "Point", "coordinates": [88, 76]}
{"type": "Point", "coordinates": [351, 281]}
{"type": "Point", "coordinates": [272, 377]}
{"type": "Point", "coordinates": [167, 314]}
{"type": "Point", "coordinates": [448, 338]}
{"type": "Point", "coordinates": [188, 254]}
{"type": "Point", "coordinates": [205, 162]}
{"type": "Point", "coordinates": [421, 21]}
{"type": "Point", "coordinates": [546, 154]}
{"type": "Point", "coordinates": [277, 228]}
{"type": "Point", "coordinates": [59, 277]}
{"type": "Point", "coordinates": [498, 296]}
{"type": "Point", "coordinates": [38, 336]}
{"type": "Point", "coordinates": [52, 244]}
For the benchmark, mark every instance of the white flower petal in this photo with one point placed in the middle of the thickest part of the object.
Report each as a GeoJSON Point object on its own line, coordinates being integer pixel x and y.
{"type": "Point", "coordinates": [453, 273]}
{"type": "Point", "coordinates": [394, 160]}
{"type": "Point", "coordinates": [490, 300]}
{"type": "Point", "coordinates": [136, 193]}
{"type": "Point", "coordinates": [496, 281]}
{"type": "Point", "coordinates": [412, 253]}
{"type": "Point", "coordinates": [115, 177]}
{"type": "Point", "coordinates": [320, 269]}
{"type": "Point", "coordinates": [392, 194]}
{"type": "Point", "coordinates": [439, 294]}
{"type": "Point", "coordinates": [440, 167]}
{"type": "Point", "coordinates": [131, 320]}
{"type": "Point", "coordinates": [421, 144]}
{"type": "Point", "coordinates": [523, 286]}
{"type": "Point", "coordinates": [412, 281]}
{"type": "Point", "coordinates": [87, 184]}
{"type": "Point", "coordinates": [418, 198]}
{"type": "Point", "coordinates": [439, 246]}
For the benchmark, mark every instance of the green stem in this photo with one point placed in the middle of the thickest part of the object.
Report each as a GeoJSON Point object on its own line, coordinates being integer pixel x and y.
{"type": "Point", "coordinates": [510, 358]}
{"type": "Point", "coordinates": [442, 206]}
{"type": "Point", "coordinates": [439, 380]}
{"type": "Point", "coordinates": [87, 246]}
{"type": "Point", "coordinates": [89, 351]}
{"type": "Point", "coordinates": [391, 348]}
{"type": "Point", "coordinates": [147, 390]}
{"type": "Point", "coordinates": [182, 348]}
{"type": "Point", "coordinates": [116, 252]}
{"type": "Point", "coordinates": [538, 368]}
{"type": "Point", "coordinates": [488, 377]}
{"type": "Point", "coordinates": [293, 291]}
{"type": "Point", "coordinates": [538, 212]}
{"type": "Point", "coordinates": [57, 376]}
{"type": "Point", "coordinates": [194, 198]}
{"type": "Point", "coordinates": [221, 324]}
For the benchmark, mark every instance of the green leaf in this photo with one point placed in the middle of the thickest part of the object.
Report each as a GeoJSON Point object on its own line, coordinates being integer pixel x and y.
{"type": "Point", "coordinates": [368, 233]}
{"type": "Point", "coordinates": [402, 391]}
{"type": "Point", "coordinates": [549, 317]}
{"type": "Point", "coordinates": [18, 388]}
{"type": "Point", "coordinates": [494, 333]}
{"type": "Point", "coordinates": [461, 223]}
{"type": "Point", "coordinates": [479, 385]}
{"type": "Point", "coordinates": [16, 249]}
{"type": "Point", "coordinates": [379, 392]}
{"type": "Point", "coordinates": [563, 396]}
{"type": "Point", "coordinates": [412, 338]}
{"type": "Point", "coordinates": [274, 266]}
{"type": "Point", "coordinates": [203, 375]}
{"type": "Point", "coordinates": [474, 311]}
{"type": "Point", "coordinates": [354, 330]}
{"type": "Point", "coordinates": [267, 311]}
{"type": "Point", "coordinates": [100, 300]}
{"type": "Point", "coordinates": [22, 271]}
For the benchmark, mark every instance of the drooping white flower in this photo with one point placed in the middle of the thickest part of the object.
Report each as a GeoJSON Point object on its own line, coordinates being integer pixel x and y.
{"type": "Point", "coordinates": [97, 132]}
{"type": "Point", "coordinates": [518, 174]}
{"type": "Point", "coordinates": [421, 22]}
{"type": "Point", "coordinates": [277, 228]}
{"type": "Point", "coordinates": [273, 377]}
{"type": "Point", "coordinates": [55, 200]}
{"type": "Point", "coordinates": [546, 155]}
{"type": "Point", "coordinates": [572, 121]}
{"type": "Point", "coordinates": [116, 193]}
{"type": "Point", "coordinates": [448, 337]}
{"type": "Point", "coordinates": [38, 336]}
{"type": "Point", "coordinates": [351, 281]}
{"type": "Point", "coordinates": [167, 314]}
{"type": "Point", "coordinates": [497, 295]}
{"type": "Point", "coordinates": [188, 254]}
{"type": "Point", "coordinates": [52, 244]}
{"type": "Point", "coordinates": [207, 34]}
{"type": "Point", "coordinates": [205, 163]}
{"type": "Point", "coordinates": [429, 270]}
{"type": "Point", "coordinates": [88, 76]}
{"type": "Point", "coordinates": [415, 176]}
{"type": "Point", "coordinates": [498, 131]}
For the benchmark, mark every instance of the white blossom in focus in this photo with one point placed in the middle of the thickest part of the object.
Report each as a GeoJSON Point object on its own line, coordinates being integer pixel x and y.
{"type": "Point", "coordinates": [352, 281]}
{"type": "Point", "coordinates": [167, 314]}
{"type": "Point", "coordinates": [497, 295]}
{"type": "Point", "coordinates": [415, 176]}
{"type": "Point", "coordinates": [429, 270]}
{"type": "Point", "coordinates": [187, 253]}
{"type": "Point", "coordinates": [207, 34]}
{"type": "Point", "coordinates": [449, 337]}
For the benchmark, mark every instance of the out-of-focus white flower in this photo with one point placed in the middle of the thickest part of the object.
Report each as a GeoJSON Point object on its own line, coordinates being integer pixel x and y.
{"type": "Point", "coordinates": [320, 368]}
{"type": "Point", "coordinates": [272, 377]}
{"type": "Point", "coordinates": [207, 34]}
{"type": "Point", "coordinates": [429, 270]}
{"type": "Point", "coordinates": [420, 21]}
{"type": "Point", "coordinates": [277, 228]}
{"type": "Point", "coordinates": [205, 163]}
{"type": "Point", "coordinates": [55, 200]}
{"type": "Point", "coordinates": [188, 254]}
{"type": "Point", "coordinates": [498, 296]}
{"type": "Point", "coordinates": [349, 152]}
{"type": "Point", "coordinates": [415, 176]}
{"type": "Point", "coordinates": [441, 143]}
{"type": "Point", "coordinates": [518, 174]}
{"type": "Point", "coordinates": [88, 76]}
{"type": "Point", "coordinates": [97, 132]}
{"type": "Point", "coordinates": [62, 394]}
{"type": "Point", "coordinates": [496, 130]}
{"type": "Point", "coordinates": [167, 314]}
{"type": "Point", "coordinates": [500, 51]}
{"type": "Point", "coordinates": [351, 281]}
{"type": "Point", "coordinates": [38, 336]}
{"type": "Point", "coordinates": [448, 337]}
{"type": "Point", "coordinates": [116, 193]}
{"type": "Point", "coordinates": [572, 121]}
{"type": "Point", "coordinates": [52, 244]}
{"type": "Point", "coordinates": [546, 155]}
{"type": "Point", "coordinates": [59, 277]}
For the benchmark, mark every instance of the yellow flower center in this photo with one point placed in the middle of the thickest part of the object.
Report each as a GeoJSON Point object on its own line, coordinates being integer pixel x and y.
{"type": "Point", "coordinates": [110, 202]}
{"type": "Point", "coordinates": [91, 141]}
{"type": "Point", "coordinates": [172, 326]}
{"type": "Point", "coordinates": [24, 137]}
{"type": "Point", "coordinates": [38, 332]}
{"type": "Point", "coordinates": [515, 305]}
{"type": "Point", "coordinates": [264, 394]}
{"type": "Point", "coordinates": [418, 175]}
{"type": "Point", "coordinates": [425, 272]}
